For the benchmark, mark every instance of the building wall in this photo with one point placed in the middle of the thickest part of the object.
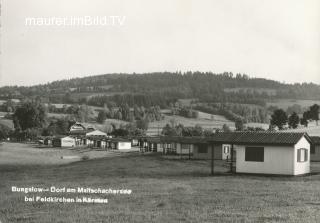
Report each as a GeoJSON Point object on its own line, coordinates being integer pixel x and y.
{"type": "Point", "coordinates": [67, 142]}
{"type": "Point", "coordinates": [159, 147]}
{"type": "Point", "coordinates": [301, 167]}
{"type": "Point", "coordinates": [184, 149]}
{"type": "Point", "coordinates": [123, 145]}
{"type": "Point", "coordinates": [316, 155]}
{"type": "Point", "coordinates": [277, 160]}
{"type": "Point", "coordinates": [226, 154]}
{"type": "Point", "coordinates": [217, 152]}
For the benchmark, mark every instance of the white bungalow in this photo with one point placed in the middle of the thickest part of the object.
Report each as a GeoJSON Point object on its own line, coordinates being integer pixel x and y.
{"type": "Point", "coordinates": [281, 153]}
{"type": "Point", "coordinates": [63, 141]}
{"type": "Point", "coordinates": [119, 144]}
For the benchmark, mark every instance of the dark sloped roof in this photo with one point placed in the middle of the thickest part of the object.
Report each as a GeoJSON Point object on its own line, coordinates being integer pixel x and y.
{"type": "Point", "coordinates": [315, 140]}
{"type": "Point", "coordinates": [268, 138]}
{"type": "Point", "coordinates": [187, 140]}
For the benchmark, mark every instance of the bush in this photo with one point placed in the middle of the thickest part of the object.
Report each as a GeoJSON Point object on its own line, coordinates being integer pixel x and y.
{"type": "Point", "coordinates": [85, 157]}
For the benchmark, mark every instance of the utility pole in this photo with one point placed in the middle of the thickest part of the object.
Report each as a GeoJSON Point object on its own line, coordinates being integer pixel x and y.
{"type": "Point", "coordinates": [212, 159]}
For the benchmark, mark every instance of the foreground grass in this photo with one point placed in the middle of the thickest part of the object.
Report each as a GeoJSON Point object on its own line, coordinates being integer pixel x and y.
{"type": "Point", "coordinates": [164, 190]}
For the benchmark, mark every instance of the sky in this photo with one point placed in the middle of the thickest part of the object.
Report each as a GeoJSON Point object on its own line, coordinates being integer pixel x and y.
{"type": "Point", "coordinates": [274, 39]}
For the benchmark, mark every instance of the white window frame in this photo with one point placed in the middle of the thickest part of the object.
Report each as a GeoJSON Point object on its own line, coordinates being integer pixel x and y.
{"type": "Point", "coordinates": [302, 155]}
{"type": "Point", "coordinates": [226, 149]}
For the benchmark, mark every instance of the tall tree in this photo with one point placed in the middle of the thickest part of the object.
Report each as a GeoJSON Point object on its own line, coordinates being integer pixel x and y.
{"type": "Point", "coordinates": [314, 112]}
{"type": "Point", "coordinates": [279, 118]}
{"type": "Point", "coordinates": [101, 117]}
{"type": "Point", "coordinates": [30, 114]}
{"type": "Point", "coordinates": [293, 120]}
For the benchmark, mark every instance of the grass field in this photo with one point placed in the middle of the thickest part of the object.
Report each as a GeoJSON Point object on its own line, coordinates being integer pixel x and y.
{"type": "Point", "coordinates": [285, 103]}
{"type": "Point", "coordinates": [205, 120]}
{"type": "Point", "coordinates": [163, 190]}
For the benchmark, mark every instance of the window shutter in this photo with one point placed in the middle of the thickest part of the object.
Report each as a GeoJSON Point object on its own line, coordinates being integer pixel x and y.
{"type": "Point", "coordinates": [299, 155]}
{"type": "Point", "coordinates": [305, 155]}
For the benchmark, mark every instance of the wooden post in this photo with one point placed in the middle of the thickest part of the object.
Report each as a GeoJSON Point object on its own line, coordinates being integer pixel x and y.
{"type": "Point", "coordinates": [212, 159]}
{"type": "Point", "coordinates": [231, 160]}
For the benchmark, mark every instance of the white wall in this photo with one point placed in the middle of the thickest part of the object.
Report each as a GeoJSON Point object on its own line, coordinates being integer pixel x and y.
{"type": "Point", "coordinates": [226, 155]}
{"type": "Point", "coordinates": [68, 142]}
{"type": "Point", "coordinates": [301, 167]}
{"type": "Point", "coordinates": [123, 145]}
{"type": "Point", "coordinates": [277, 160]}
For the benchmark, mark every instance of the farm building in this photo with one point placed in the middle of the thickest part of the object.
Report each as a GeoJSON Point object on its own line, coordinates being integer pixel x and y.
{"type": "Point", "coordinates": [268, 152]}
{"type": "Point", "coordinates": [63, 141]}
{"type": "Point", "coordinates": [315, 148]}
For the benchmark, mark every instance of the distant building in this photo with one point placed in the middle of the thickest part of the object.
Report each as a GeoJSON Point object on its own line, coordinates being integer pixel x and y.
{"type": "Point", "coordinates": [63, 141]}
{"type": "Point", "coordinates": [119, 143]}
{"type": "Point", "coordinates": [80, 128]}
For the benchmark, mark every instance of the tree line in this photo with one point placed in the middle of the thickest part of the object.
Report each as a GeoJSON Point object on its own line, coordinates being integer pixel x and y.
{"type": "Point", "coordinates": [280, 118]}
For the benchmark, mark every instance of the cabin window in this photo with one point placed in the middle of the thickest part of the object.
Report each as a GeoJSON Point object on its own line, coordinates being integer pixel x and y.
{"type": "Point", "coordinates": [302, 155]}
{"type": "Point", "coordinates": [226, 149]}
{"type": "Point", "coordinates": [254, 154]}
{"type": "Point", "coordinates": [202, 149]}
{"type": "Point", "coordinates": [313, 149]}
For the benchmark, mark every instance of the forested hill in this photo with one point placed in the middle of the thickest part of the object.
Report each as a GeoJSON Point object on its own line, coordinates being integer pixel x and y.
{"type": "Point", "coordinates": [160, 88]}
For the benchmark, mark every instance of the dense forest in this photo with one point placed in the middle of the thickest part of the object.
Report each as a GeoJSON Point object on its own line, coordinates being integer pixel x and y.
{"type": "Point", "coordinates": [237, 97]}
{"type": "Point", "coordinates": [145, 89]}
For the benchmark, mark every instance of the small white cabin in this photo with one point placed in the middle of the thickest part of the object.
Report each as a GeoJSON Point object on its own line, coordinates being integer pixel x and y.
{"type": "Point", "coordinates": [281, 153]}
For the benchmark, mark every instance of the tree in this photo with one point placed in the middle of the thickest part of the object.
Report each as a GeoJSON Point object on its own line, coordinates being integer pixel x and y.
{"type": "Point", "coordinates": [314, 112]}
{"type": "Point", "coordinates": [293, 120]}
{"type": "Point", "coordinates": [5, 131]}
{"type": "Point", "coordinates": [305, 118]}
{"type": "Point", "coordinates": [225, 128]}
{"type": "Point", "coordinates": [172, 130]}
{"type": "Point", "coordinates": [239, 124]}
{"type": "Point", "coordinates": [29, 115]}
{"type": "Point", "coordinates": [279, 118]}
{"type": "Point", "coordinates": [143, 124]}
{"type": "Point", "coordinates": [101, 117]}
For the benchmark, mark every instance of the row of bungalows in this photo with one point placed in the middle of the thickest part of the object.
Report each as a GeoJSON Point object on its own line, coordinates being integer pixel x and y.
{"type": "Point", "coordinates": [92, 142]}
{"type": "Point", "coordinates": [195, 147]}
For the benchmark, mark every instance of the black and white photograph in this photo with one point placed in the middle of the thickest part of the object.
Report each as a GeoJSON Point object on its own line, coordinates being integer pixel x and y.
{"type": "Point", "coordinates": [159, 111]}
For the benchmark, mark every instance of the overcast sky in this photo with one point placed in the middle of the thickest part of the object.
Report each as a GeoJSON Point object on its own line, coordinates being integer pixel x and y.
{"type": "Point", "coordinates": [275, 39]}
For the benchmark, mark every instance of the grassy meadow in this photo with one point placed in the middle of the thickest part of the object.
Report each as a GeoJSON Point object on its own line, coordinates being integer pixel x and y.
{"type": "Point", "coordinates": [205, 120]}
{"type": "Point", "coordinates": [164, 189]}
{"type": "Point", "coordinates": [285, 103]}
